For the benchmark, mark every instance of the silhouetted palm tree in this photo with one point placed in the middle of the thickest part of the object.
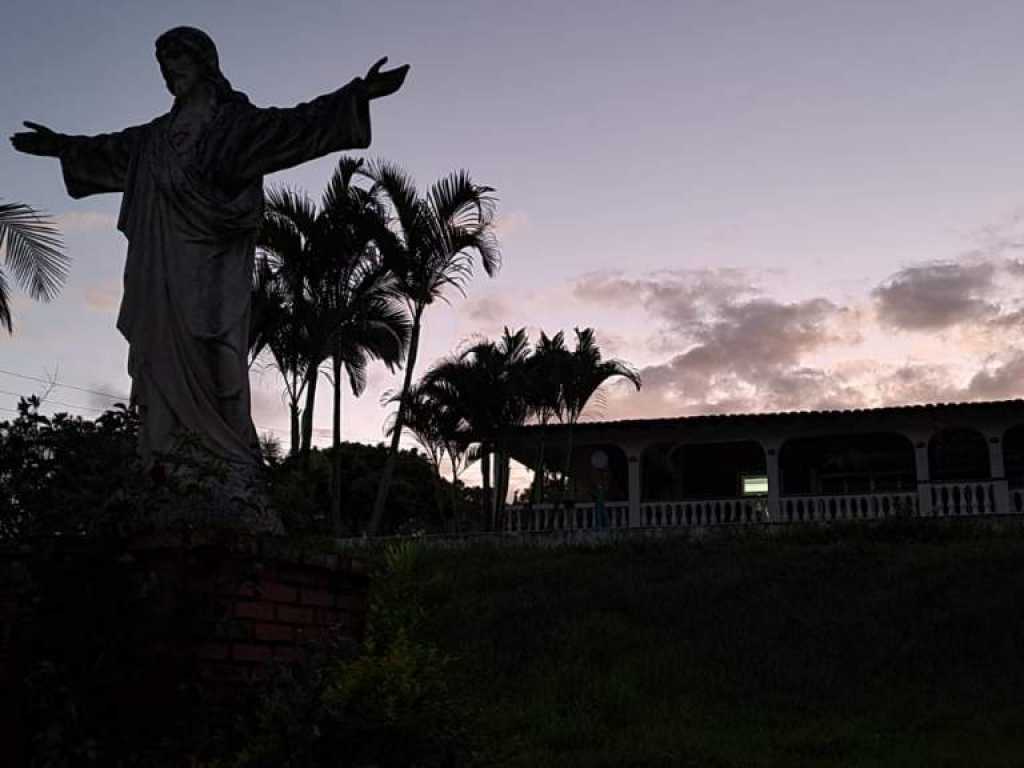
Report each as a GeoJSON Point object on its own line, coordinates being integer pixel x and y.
{"type": "Point", "coordinates": [361, 302]}
{"type": "Point", "coordinates": [31, 246]}
{"type": "Point", "coordinates": [435, 425]}
{"type": "Point", "coordinates": [586, 373]}
{"type": "Point", "coordinates": [547, 367]}
{"type": "Point", "coordinates": [431, 250]}
{"type": "Point", "coordinates": [484, 390]}
{"type": "Point", "coordinates": [282, 303]}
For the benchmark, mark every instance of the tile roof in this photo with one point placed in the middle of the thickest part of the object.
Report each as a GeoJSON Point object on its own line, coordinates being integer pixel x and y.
{"type": "Point", "coordinates": [983, 405]}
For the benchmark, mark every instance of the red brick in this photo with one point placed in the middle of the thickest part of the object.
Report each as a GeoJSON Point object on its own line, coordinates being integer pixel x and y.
{"type": "Point", "coordinates": [294, 614]}
{"type": "Point", "coordinates": [247, 610]}
{"type": "Point", "coordinates": [249, 652]}
{"type": "Point", "coordinates": [213, 651]}
{"type": "Point", "coordinates": [272, 633]}
{"type": "Point", "coordinates": [317, 597]}
{"type": "Point", "coordinates": [278, 593]}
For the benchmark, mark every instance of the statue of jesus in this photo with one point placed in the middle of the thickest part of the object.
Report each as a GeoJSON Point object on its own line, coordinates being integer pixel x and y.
{"type": "Point", "coordinates": [193, 198]}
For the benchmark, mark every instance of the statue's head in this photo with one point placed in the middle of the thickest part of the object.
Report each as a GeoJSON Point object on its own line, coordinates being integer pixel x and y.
{"type": "Point", "coordinates": [188, 58]}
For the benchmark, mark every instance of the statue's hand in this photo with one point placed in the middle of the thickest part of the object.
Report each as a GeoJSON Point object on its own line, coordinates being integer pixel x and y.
{"type": "Point", "coordinates": [39, 141]}
{"type": "Point", "coordinates": [384, 82]}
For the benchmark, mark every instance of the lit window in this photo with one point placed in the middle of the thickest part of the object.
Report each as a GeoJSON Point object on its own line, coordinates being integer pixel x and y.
{"type": "Point", "coordinates": [755, 485]}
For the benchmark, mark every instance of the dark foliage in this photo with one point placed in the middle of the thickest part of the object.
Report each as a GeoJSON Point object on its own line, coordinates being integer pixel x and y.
{"type": "Point", "coordinates": [861, 645]}
{"type": "Point", "coordinates": [65, 474]}
{"type": "Point", "coordinates": [301, 491]}
{"type": "Point", "coordinates": [389, 704]}
{"type": "Point", "coordinates": [91, 694]}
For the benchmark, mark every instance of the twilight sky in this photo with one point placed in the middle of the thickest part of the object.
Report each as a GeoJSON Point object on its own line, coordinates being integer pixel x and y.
{"type": "Point", "coordinates": [785, 205]}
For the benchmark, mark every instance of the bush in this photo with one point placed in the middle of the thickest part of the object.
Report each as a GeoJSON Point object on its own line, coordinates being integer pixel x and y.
{"type": "Point", "coordinates": [68, 476]}
{"type": "Point", "coordinates": [65, 474]}
{"type": "Point", "coordinates": [388, 704]}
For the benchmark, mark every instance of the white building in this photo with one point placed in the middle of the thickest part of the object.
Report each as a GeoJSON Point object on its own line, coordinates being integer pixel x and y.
{"type": "Point", "coordinates": [925, 460]}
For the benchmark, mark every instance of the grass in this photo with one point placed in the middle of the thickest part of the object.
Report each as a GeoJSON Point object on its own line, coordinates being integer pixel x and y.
{"type": "Point", "coordinates": [882, 646]}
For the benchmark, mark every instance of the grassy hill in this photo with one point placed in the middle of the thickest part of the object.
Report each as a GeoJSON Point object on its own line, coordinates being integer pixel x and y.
{"type": "Point", "coordinates": [896, 645]}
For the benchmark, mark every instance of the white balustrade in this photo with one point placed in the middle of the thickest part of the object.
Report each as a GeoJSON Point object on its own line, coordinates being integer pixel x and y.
{"type": "Point", "coordinates": [582, 516]}
{"type": "Point", "coordinates": [857, 506]}
{"type": "Point", "coordinates": [1016, 501]}
{"type": "Point", "coordinates": [700, 512]}
{"type": "Point", "coordinates": [966, 498]}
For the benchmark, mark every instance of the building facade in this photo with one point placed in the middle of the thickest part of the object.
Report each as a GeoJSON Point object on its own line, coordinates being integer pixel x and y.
{"type": "Point", "coordinates": [940, 460]}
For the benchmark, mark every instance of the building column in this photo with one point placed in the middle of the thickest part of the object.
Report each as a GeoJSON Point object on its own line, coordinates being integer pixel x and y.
{"type": "Point", "coordinates": [997, 471]}
{"type": "Point", "coordinates": [923, 472]}
{"type": "Point", "coordinates": [633, 460]}
{"type": "Point", "coordinates": [771, 454]}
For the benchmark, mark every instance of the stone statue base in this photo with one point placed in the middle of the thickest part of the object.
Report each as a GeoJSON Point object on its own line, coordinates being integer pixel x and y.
{"type": "Point", "coordinates": [237, 497]}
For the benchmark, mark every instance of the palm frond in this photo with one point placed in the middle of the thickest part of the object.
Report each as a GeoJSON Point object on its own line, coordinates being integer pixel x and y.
{"type": "Point", "coordinates": [400, 189]}
{"type": "Point", "coordinates": [5, 309]}
{"type": "Point", "coordinates": [32, 250]}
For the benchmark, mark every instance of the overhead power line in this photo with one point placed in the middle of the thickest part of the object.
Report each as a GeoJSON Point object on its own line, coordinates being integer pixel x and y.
{"type": "Point", "coordinates": [58, 383]}
{"type": "Point", "coordinates": [49, 401]}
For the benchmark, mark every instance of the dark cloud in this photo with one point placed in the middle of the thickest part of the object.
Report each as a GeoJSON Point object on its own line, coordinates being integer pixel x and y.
{"type": "Point", "coordinates": [678, 297]}
{"type": "Point", "coordinates": [918, 383]}
{"type": "Point", "coordinates": [748, 355]}
{"type": "Point", "coordinates": [936, 296]}
{"type": "Point", "coordinates": [1004, 381]}
{"type": "Point", "coordinates": [488, 310]}
{"type": "Point", "coordinates": [731, 349]}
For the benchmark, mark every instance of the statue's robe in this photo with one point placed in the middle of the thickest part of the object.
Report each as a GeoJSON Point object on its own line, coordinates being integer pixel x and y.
{"type": "Point", "coordinates": [191, 214]}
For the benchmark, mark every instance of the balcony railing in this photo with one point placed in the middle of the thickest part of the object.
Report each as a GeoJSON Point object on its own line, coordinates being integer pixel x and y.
{"type": "Point", "coordinates": [973, 497]}
{"type": "Point", "coordinates": [556, 517]}
{"type": "Point", "coordinates": [859, 506]}
{"type": "Point", "coordinates": [960, 499]}
{"type": "Point", "coordinates": [700, 512]}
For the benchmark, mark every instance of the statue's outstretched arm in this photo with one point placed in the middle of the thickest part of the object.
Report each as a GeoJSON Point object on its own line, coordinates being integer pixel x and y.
{"type": "Point", "coordinates": [91, 164]}
{"type": "Point", "coordinates": [40, 140]}
{"type": "Point", "coordinates": [267, 140]}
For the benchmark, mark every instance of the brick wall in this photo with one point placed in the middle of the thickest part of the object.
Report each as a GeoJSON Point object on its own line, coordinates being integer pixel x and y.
{"type": "Point", "coordinates": [219, 612]}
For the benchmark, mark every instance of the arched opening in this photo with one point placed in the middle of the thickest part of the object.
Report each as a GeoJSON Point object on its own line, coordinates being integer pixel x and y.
{"type": "Point", "coordinates": [599, 469]}
{"type": "Point", "coordinates": [659, 478]}
{"type": "Point", "coordinates": [957, 454]}
{"type": "Point", "coordinates": [703, 471]}
{"type": "Point", "coordinates": [1013, 456]}
{"type": "Point", "coordinates": [834, 465]}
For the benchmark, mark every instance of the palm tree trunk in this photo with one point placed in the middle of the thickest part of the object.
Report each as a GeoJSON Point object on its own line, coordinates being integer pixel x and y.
{"type": "Point", "coordinates": [389, 468]}
{"type": "Point", "coordinates": [307, 414]}
{"type": "Point", "coordinates": [485, 479]}
{"type": "Point", "coordinates": [506, 470]}
{"type": "Point", "coordinates": [455, 500]}
{"type": "Point", "coordinates": [501, 470]}
{"type": "Point", "coordinates": [538, 475]}
{"type": "Point", "coordinates": [568, 468]}
{"type": "Point", "coordinates": [336, 526]}
{"type": "Point", "coordinates": [293, 406]}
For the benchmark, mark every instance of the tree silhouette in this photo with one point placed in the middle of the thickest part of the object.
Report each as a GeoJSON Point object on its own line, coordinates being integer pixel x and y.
{"type": "Point", "coordinates": [483, 388]}
{"type": "Point", "coordinates": [586, 373]}
{"type": "Point", "coordinates": [31, 246]}
{"type": "Point", "coordinates": [430, 249]}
